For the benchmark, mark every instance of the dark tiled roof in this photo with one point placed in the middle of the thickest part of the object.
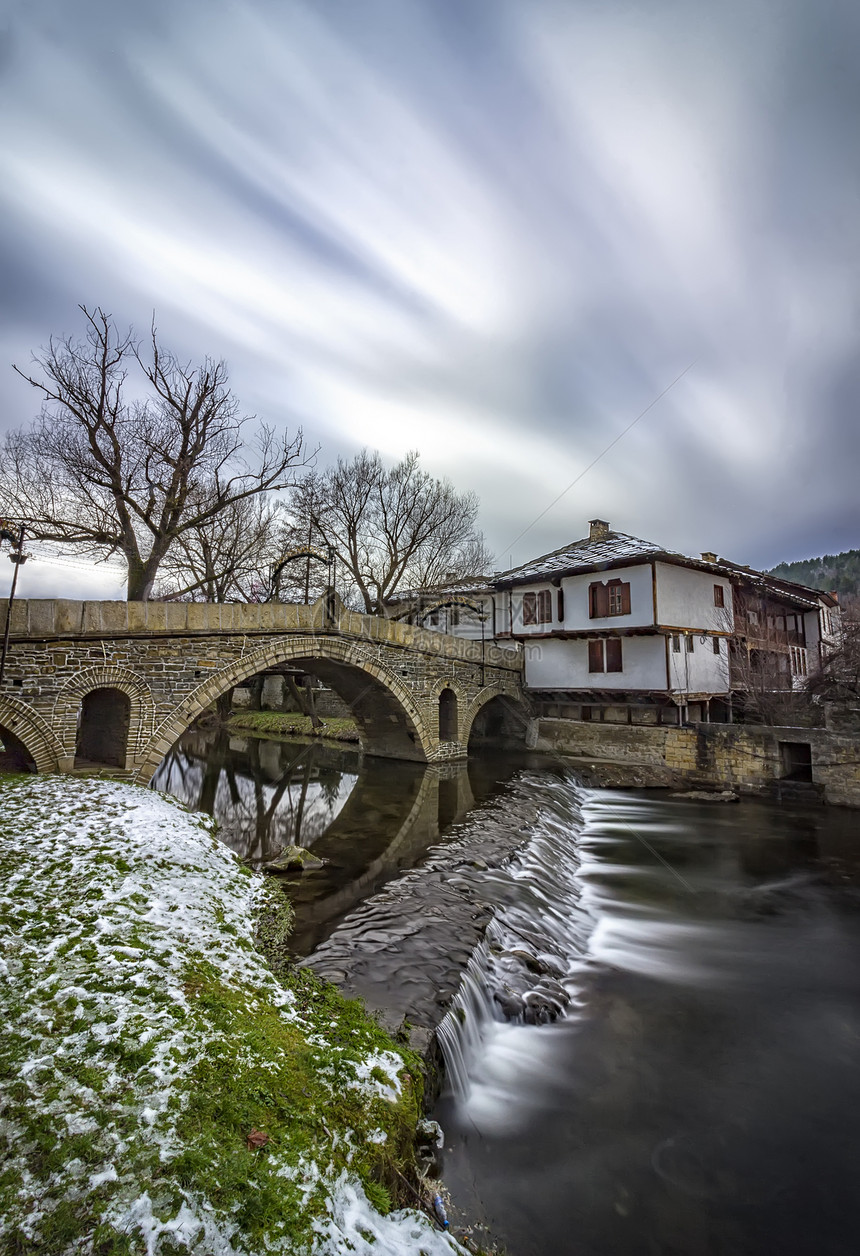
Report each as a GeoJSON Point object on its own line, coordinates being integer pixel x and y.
{"type": "Point", "coordinates": [584, 555]}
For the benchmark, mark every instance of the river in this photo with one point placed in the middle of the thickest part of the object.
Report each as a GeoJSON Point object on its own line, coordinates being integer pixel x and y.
{"type": "Point", "coordinates": [656, 1047]}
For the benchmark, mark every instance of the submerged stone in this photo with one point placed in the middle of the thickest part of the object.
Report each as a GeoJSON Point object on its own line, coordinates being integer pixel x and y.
{"type": "Point", "coordinates": [294, 859]}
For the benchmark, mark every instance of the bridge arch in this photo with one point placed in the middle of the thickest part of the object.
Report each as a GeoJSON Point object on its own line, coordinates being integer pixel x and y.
{"type": "Point", "coordinates": [494, 715]}
{"type": "Point", "coordinates": [141, 712]}
{"type": "Point", "coordinates": [34, 733]}
{"type": "Point", "coordinates": [391, 722]}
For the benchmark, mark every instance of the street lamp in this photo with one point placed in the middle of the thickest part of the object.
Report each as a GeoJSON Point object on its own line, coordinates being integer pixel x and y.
{"type": "Point", "coordinates": [17, 556]}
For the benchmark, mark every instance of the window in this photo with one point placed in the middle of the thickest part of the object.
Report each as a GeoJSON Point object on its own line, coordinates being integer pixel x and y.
{"type": "Point", "coordinates": [612, 598]}
{"type": "Point", "coordinates": [455, 616]}
{"type": "Point", "coordinates": [716, 645]}
{"type": "Point", "coordinates": [719, 595]}
{"type": "Point", "coordinates": [605, 656]}
{"type": "Point", "coordinates": [691, 643]}
{"type": "Point", "coordinates": [560, 601]}
{"type": "Point", "coordinates": [613, 654]}
{"type": "Point", "coordinates": [537, 607]}
{"type": "Point", "coordinates": [676, 644]}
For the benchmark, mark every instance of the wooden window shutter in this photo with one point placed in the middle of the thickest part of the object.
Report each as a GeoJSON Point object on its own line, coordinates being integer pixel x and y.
{"type": "Point", "coordinates": [598, 600]}
{"type": "Point", "coordinates": [529, 608]}
{"type": "Point", "coordinates": [719, 595]}
{"type": "Point", "coordinates": [613, 654]}
{"type": "Point", "coordinates": [595, 656]}
{"type": "Point", "coordinates": [544, 607]}
{"type": "Point", "coordinates": [625, 599]}
{"type": "Point", "coordinates": [560, 599]}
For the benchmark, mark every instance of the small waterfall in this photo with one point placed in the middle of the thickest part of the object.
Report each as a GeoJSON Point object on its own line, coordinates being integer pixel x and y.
{"type": "Point", "coordinates": [524, 973]}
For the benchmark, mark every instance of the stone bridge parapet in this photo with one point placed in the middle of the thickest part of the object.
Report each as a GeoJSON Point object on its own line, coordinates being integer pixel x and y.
{"type": "Point", "coordinates": [148, 669]}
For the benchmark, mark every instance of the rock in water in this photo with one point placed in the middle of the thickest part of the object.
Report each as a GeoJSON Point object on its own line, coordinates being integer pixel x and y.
{"type": "Point", "coordinates": [294, 859]}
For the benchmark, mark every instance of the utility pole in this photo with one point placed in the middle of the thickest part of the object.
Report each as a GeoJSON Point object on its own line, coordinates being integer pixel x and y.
{"type": "Point", "coordinates": [17, 556]}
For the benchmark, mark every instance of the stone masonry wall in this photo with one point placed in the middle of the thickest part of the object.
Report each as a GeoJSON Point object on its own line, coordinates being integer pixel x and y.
{"type": "Point", "coordinates": [742, 757]}
{"type": "Point", "coordinates": [171, 662]}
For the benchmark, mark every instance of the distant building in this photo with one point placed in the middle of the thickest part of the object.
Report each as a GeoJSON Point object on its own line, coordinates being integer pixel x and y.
{"type": "Point", "coordinates": [463, 608]}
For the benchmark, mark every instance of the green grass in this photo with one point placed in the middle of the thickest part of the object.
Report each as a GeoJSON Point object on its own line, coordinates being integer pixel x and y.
{"type": "Point", "coordinates": [106, 1009]}
{"type": "Point", "coordinates": [281, 724]}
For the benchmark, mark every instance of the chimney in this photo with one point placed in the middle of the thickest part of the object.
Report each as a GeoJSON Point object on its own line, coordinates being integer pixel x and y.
{"type": "Point", "coordinates": [709, 557]}
{"type": "Point", "coordinates": [598, 530]}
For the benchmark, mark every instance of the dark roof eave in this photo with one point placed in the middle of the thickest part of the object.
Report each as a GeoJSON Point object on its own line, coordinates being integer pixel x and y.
{"type": "Point", "coordinates": [634, 560]}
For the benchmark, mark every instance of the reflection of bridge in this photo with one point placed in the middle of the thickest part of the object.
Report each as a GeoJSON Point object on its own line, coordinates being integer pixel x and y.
{"type": "Point", "coordinates": [117, 683]}
{"type": "Point", "coordinates": [267, 795]}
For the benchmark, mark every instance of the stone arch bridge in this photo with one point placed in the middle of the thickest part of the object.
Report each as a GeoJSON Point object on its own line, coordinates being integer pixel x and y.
{"type": "Point", "coordinates": [118, 682]}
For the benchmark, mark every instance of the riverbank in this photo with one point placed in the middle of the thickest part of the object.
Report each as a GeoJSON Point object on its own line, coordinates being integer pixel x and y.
{"type": "Point", "coordinates": [165, 1088]}
{"type": "Point", "coordinates": [291, 724]}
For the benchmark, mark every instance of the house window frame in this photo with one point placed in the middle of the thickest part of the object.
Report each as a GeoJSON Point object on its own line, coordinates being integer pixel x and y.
{"type": "Point", "coordinates": [599, 650]}
{"type": "Point", "coordinates": [609, 600]}
{"type": "Point", "coordinates": [719, 596]}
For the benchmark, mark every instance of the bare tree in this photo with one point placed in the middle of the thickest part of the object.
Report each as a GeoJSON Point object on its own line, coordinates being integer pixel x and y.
{"type": "Point", "coordinates": [391, 528]}
{"type": "Point", "coordinates": [108, 473]}
{"type": "Point", "coordinates": [837, 678]}
{"type": "Point", "coordinates": [228, 557]}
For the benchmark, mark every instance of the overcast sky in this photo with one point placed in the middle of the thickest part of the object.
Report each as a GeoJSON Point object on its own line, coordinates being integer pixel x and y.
{"type": "Point", "coordinates": [491, 231]}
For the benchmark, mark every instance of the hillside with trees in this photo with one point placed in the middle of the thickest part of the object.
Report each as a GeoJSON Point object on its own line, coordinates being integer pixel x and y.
{"type": "Point", "coordinates": [838, 573]}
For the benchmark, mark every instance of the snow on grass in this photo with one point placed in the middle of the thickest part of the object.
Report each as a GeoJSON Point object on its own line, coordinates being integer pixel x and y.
{"type": "Point", "coordinates": [146, 1039]}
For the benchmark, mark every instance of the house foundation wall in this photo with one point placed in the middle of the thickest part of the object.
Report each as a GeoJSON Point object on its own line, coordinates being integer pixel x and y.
{"type": "Point", "coordinates": [748, 759]}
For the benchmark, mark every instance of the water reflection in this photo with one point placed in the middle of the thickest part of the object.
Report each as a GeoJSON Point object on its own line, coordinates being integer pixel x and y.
{"type": "Point", "coordinates": [264, 794]}
{"type": "Point", "coordinates": [366, 819]}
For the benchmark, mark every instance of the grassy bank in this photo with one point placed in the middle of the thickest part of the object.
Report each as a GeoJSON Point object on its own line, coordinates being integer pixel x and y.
{"type": "Point", "coordinates": [164, 1088]}
{"type": "Point", "coordinates": [286, 724]}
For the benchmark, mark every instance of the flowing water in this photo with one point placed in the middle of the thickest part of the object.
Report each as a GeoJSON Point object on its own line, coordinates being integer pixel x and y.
{"type": "Point", "coordinates": [654, 1049]}
{"type": "Point", "coordinates": [701, 1093]}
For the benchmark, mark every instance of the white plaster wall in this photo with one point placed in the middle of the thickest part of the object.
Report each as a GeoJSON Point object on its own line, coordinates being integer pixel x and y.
{"type": "Point", "coordinates": [685, 599]}
{"type": "Point", "coordinates": [554, 664]}
{"type": "Point", "coordinates": [812, 628]}
{"type": "Point", "coordinates": [702, 671]}
{"type": "Point", "coordinates": [516, 596]}
{"type": "Point", "coordinates": [641, 598]}
{"type": "Point", "coordinates": [576, 601]}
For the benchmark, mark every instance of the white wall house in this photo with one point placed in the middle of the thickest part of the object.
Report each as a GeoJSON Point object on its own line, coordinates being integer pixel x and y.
{"type": "Point", "coordinates": [616, 624]}
{"type": "Point", "coordinates": [462, 608]}
{"type": "Point", "coordinates": [617, 628]}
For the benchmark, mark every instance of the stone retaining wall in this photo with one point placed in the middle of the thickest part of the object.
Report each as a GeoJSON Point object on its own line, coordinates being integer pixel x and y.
{"type": "Point", "coordinates": [746, 758]}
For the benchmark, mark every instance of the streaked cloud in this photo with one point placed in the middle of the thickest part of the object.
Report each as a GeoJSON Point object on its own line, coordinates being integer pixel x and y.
{"type": "Point", "coordinates": [494, 232]}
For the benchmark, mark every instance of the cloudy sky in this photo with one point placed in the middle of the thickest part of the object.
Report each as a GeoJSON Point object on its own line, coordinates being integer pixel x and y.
{"type": "Point", "coordinates": [492, 230]}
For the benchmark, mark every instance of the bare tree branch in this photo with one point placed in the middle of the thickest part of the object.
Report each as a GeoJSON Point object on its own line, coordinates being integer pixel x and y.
{"type": "Point", "coordinates": [108, 474]}
{"type": "Point", "coordinates": [390, 528]}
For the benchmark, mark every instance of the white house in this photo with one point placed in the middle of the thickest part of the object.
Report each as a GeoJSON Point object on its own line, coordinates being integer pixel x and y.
{"type": "Point", "coordinates": [619, 628]}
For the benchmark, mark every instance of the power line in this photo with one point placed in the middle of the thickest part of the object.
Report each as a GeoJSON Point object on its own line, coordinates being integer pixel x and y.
{"type": "Point", "coordinates": [602, 454]}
